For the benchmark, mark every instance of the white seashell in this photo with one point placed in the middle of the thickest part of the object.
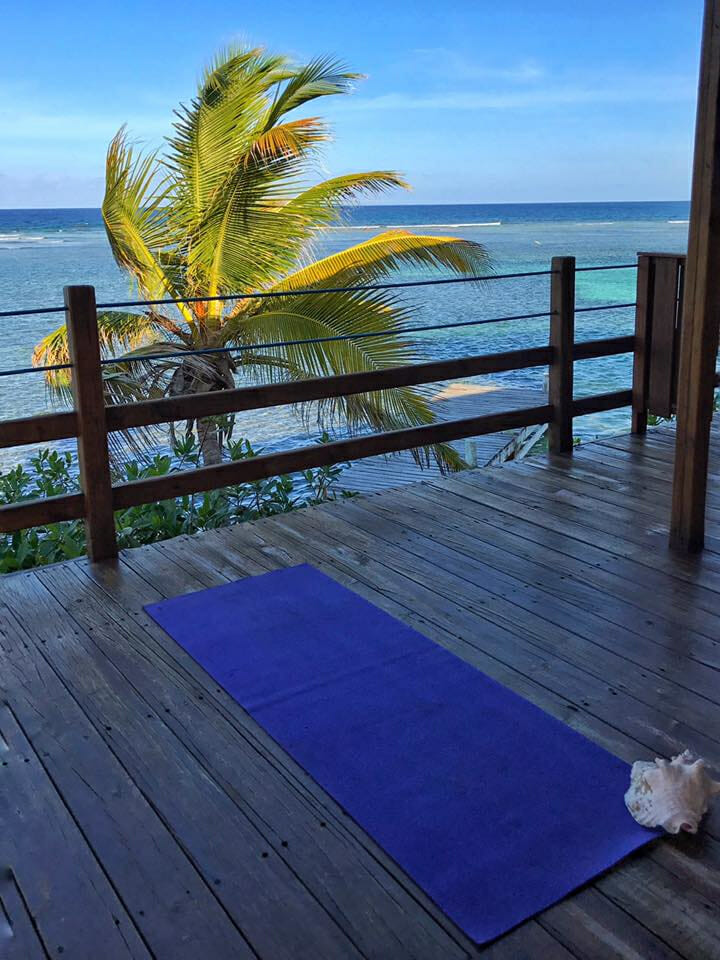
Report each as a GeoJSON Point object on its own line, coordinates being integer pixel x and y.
{"type": "Point", "coordinates": [672, 794]}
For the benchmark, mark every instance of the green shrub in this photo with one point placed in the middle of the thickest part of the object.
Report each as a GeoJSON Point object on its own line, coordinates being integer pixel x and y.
{"type": "Point", "coordinates": [50, 473]}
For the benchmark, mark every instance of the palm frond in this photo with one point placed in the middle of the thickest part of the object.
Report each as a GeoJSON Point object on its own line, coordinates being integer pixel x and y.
{"type": "Point", "coordinates": [293, 139]}
{"type": "Point", "coordinates": [228, 208]}
{"type": "Point", "coordinates": [248, 238]}
{"type": "Point", "coordinates": [322, 77]}
{"type": "Point", "coordinates": [134, 211]}
{"type": "Point", "coordinates": [117, 330]}
{"type": "Point", "coordinates": [321, 204]}
{"type": "Point", "coordinates": [238, 168]}
{"type": "Point", "coordinates": [383, 255]}
{"type": "Point", "coordinates": [377, 318]}
{"type": "Point", "coordinates": [218, 127]}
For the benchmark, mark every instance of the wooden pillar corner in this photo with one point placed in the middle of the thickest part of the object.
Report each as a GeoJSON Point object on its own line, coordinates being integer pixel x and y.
{"type": "Point", "coordinates": [701, 305]}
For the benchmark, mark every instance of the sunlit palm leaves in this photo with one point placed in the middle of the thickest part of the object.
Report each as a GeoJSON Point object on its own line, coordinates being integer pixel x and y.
{"type": "Point", "coordinates": [230, 207]}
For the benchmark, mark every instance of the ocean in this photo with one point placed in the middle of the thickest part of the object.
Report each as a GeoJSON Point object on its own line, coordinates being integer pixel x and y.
{"type": "Point", "coordinates": [42, 250]}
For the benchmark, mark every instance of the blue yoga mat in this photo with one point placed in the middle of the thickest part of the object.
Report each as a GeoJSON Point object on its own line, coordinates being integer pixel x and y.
{"type": "Point", "coordinates": [494, 808]}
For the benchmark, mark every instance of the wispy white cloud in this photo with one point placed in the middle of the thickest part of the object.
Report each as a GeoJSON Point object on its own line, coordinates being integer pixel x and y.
{"type": "Point", "coordinates": [450, 64]}
{"type": "Point", "coordinates": [639, 89]}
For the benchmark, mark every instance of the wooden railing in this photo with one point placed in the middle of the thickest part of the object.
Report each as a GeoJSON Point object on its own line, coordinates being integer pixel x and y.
{"type": "Point", "coordinates": [92, 419]}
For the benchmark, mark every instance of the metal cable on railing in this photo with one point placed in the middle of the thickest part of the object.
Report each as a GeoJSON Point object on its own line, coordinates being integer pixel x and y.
{"type": "Point", "coordinates": [270, 294]}
{"type": "Point", "coordinates": [182, 354]}
{"type": "Point", "coordinates": [605, 306]}
{"type": "Point", "coordinates": [611, 266]}
{"type": "Point", "coordinates": [314, 291]}
{"type": "Point", "coordinates": [17, 371]}
{"type": "Point", "coordinates": [266, 294]}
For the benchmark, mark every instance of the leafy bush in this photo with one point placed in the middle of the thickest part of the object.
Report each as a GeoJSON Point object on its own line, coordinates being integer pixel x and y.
{"type": "Point", "coordinates": [51, 473]}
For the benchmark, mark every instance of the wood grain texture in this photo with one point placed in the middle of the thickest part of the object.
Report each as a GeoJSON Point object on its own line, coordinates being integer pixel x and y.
{"type": "Point", "coordinates": [34, 513]}
{"type": "Point", "coordinates": [303, 391]}
{"type": "Point", "coordinates": [701, 306]}
{"type": "Point", "coordinates": [562, 340]}
{"type": "Point", "coordinates": [662, 381]}
{"type": "Point", "coordinates": [89, 395]}
{"type": "Point", "coordinates": [641, 356]}
{"type": "Point", "coordinates": [551, 576]}
{"type": "Point", "coordinates": [43, 428]}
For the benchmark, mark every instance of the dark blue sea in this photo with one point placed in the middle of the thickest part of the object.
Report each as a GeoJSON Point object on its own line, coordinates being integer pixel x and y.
{"type": "Point", "coordinates": [42, 250]}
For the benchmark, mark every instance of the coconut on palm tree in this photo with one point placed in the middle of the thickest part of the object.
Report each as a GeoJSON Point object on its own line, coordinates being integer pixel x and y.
{"type": "Point", "coordinates": [230, 207]}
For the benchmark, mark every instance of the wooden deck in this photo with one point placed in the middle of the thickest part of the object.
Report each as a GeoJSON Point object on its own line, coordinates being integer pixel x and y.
{"type": "Point", "coordinates": [143, 814]}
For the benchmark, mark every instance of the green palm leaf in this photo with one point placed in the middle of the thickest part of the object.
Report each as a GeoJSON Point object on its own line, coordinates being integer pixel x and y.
{"type": "Point", "coordinates": [231, 207]}
{"type": "Point", "coordinates": [383, 255]}
{"type": "Point", "coordinates": [117, 330]}
{"type": "Point", "coordinates": [134, 211]}
{"type": "Point", "coordinates": [369, 331]}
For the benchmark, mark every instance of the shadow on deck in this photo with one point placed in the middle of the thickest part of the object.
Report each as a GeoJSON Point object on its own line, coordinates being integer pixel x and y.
{"type": "Point", "coordinates": [144, 814]}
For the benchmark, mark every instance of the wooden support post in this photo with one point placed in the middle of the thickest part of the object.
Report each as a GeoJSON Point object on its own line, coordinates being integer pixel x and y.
{"type": "Point", "coordinates": [562, 339]}
{"type": "Point", "coordinates": [701, 311]}
{"type": "Point", "coordinates": [641, 354]}
{"type": "Point", "coordinates": [87, 386]}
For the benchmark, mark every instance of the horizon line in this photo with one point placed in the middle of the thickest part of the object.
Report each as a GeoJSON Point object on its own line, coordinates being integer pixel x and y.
{"type": "Point", "coordinates": [463, 203]}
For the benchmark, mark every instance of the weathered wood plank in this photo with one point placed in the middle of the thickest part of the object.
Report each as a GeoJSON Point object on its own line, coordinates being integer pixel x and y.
{"type": "Point", "coordinates": [613, 537]}
{"type": "Point", "coordinates": [346, 883]}
{"type": "Point", "coordinates": [74, 911]}
{"type": "Point", "coordinates": [605, 595]}
{"type": "Point", "coordinates": [19, 937]}
{"type": "Point", "coordinates": [34, 513]}
{"type": "Point", "coordinates": [172, 906]}
{"type": "Point", "coordinates": [38, 429]}
{"type": "Point", "coordinates": [547, 576]}
{"type": "Point", "coordinates": [619, 576]}
{"type": "Point", "coordinates": [277, 914]}
{"type": "Point", "coordinates": [662, 380]}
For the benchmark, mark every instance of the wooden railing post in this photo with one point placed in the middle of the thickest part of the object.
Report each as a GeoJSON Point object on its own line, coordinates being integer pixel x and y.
{"type": "Point", "coordinates": [641, 353]}
{"type": "Point", "coordinates": [562, 339]}
{"type": "Point", "coordinates": [93, 455]}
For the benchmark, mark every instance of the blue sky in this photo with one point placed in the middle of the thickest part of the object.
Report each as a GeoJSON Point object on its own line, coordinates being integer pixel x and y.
{"type": "Point", "coordinates": [473, 101]}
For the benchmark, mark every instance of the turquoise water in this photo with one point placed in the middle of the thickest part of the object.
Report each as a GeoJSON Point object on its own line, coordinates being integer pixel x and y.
{"type": "Point", "coordinates": [41, 250]}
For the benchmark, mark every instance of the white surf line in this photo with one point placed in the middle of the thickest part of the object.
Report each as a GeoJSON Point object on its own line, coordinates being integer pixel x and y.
{"type": "Point", "coordinates": [404, 226]}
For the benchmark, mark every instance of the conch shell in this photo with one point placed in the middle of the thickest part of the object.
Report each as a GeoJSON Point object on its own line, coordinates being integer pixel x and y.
{"type": "Point", "coordinates": [672, 794]}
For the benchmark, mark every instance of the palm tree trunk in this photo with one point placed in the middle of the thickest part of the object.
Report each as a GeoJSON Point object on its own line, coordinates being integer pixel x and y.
{"type": "Point", "coordinates": [209, 440]}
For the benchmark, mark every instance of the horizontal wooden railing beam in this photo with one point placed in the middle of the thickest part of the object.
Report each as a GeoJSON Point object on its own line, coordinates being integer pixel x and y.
{"type": "Point", "coordinates": [49, 427]}
{"type": "Point", "coordinates": [148, 412]}
{"type": "Point", "coordinates": [39, 429]}
{"type": "Point", "coordinates": [608, 347]}
{"type": "Point", "coordinates": [600, 402]}
{"type": "Point", "coordinates": [320, 455]}
{"type": "Point", "coordinates": [37, 513]}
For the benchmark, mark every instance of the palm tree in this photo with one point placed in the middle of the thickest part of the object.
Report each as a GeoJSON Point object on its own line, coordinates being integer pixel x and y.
{"type": "Point", "coordinates": [229, 207]}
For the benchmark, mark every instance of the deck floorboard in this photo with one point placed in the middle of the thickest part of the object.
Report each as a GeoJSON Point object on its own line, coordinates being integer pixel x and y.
{"type": "Point", "coordinates": [184, 831]}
